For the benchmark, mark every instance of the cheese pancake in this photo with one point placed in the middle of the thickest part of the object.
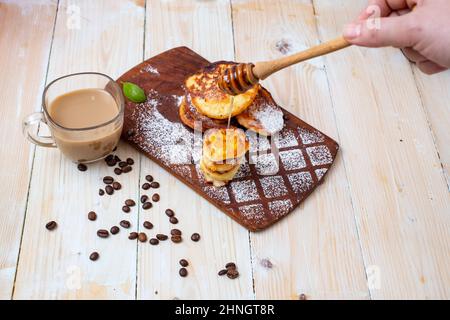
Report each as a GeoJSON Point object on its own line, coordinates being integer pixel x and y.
{"type": "Point", "coordinates": [224, 144]}
{"type": "Point", "coordinates": [190, 117]}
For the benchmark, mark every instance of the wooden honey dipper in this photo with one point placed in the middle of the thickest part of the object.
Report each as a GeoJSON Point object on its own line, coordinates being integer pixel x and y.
{"type": "Point", "coordinates": [238, 78]}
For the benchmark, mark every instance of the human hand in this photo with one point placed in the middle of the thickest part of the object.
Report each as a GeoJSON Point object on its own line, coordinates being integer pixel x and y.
{"type": "Point", "coordinates": [423, 34]}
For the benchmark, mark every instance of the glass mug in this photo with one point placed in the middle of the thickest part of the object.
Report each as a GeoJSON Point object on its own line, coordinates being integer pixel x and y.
{"type": "Point", "coordinates": [85, 144]}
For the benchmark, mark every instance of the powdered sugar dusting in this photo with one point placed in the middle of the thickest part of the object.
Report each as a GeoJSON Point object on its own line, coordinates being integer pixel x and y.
{"type": "Point", "coordinates": [257, 142]}
{"type": "Point", "coordinates": [244, 191]}
{"type": "Point", "coordinates": [218, 193]}
{"type": "Point", "coordinates": [309, 137]}
{"type": "Point", "coordinates": [292, 159]}
{"type": "Point", "coordinates": [285, 139]}
{"type": "Point", "coordinates": [266, 164]}
{"type": "Point", "coordinates": [244, 171]}
{"type": "Point", "coordinates": [150, 69]}
{"type": "Point", "coordinates": [254, 212]}
{"type": "Point", "coordinates": [280, 208]}
{"type": "Point", "coordinates": [320, 173]}
{"type": "Point", "coordinates": [319, 155]}
{"type": "Point", "coordinates": [273, 186]}
{"type": "Point", "coordinates": [270, 117]}
{"type": "Point", "coordinates": [184, 171]}
{"type": "Point", "coordinates": [300, 181]}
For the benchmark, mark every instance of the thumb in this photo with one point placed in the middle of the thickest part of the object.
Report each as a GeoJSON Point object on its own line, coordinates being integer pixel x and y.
{"type": "Point", "coordinates": [395, 31]}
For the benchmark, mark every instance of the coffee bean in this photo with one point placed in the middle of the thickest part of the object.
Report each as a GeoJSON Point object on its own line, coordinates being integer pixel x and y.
{"type": "Point", "coordinates": [155, 197]}
{"type": "Point", "coordinates": [126, 209]}
{"type": "Point", "coordinates": [142, 237]}
{"type": "Point", "coordinates": [154, 241]}
{"type": "Point", "coordinates": [170, 213]}
{"type": "Point", "coordinates": [102, 233]}
{"type": "Point", "coordinates": [149, 178]}
{"type": "Point", "coordinates": [144, 198]}
{"type": "Point", "coordinates": [230, 265]}
{"type": "Point", "coordinates": [114, 230]}
{"type": "Point", "coordinates": [82, 167]}
{"type": "Point", "coordinates": [161, 237]}
{"type": "Point", "coordinates": [183, 272]}
{"type": "Point", "coordinates": [133, 236]}
{"type": "Point", "coordinates": [92, 216]}
{"type": "Point", "coordinates": [175, 232]}
{"type": "Point", "coordinates": [130, 202]}
{"type": "Point", "coordinates": [130, 161]}
{"type": "Point", "coordinates": [108, 180]}
{"type": "Point", "coordinates": [126, 169]}
{"type": "Point", "coordinates": [101, 192]}
{"type": "Point", "coordinates": [118, 171]}
{"type": "Point", "coordinates": [147, 205]}
{"type": "Point", "coordinates": [146, 186]}
{"type": "Point", "coordinates": [302, 297]}
{"type": "Point", "coordinates": [125, 224]}
{"type": "Point", "coordinates": [111, 163]}
{"type": "Point", "coordinates": [122, 164]}
{"type": "Point", "coordinates": [195, 237]}
{"type": "Point", "coordinates": [222, 272]}
{"type": "Point", "coordinates": [184, 263]}
{"type": "Point", "coordinates": [176, 238]}
{"type": "Point", "coordinates": [51, 225]}
{"type": "Point", "coordinates": [109, 190]}
{"type": "Point", "coordinates": [173, 220]}
{"type": "Point", "coordinates": [154, 185]}
{"type": "Point", "coordinates": [130, 133]}
{"type": "Point", "coordinates": [94, 256]}
{"type": "Point", "coordinates": [232, 273]}
{"type": "Point", "coordinates": [117, 159]}
{"type": "Point", "coordinates": [116, 185]}
{"type": "Point", "coordinates": [109, 157]}
{"type": "Point", "coordinates": [148, 225]}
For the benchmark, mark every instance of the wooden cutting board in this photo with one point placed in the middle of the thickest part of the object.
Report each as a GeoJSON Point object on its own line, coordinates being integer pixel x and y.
{"type": "Point", "coordinates": [278, 175]}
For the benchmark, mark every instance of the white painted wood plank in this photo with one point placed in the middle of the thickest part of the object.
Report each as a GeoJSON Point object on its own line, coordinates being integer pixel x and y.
{"type": "Point", "coordinates": [206, 28]}
{"type": "Point", "coordinates": [56, 264]}
{"type": "Point", "coordinates": [315, 250]}
{"type": "Point", "coordinates": [25, 37]}
{"type": "Point", "coordinates": [398, 190]}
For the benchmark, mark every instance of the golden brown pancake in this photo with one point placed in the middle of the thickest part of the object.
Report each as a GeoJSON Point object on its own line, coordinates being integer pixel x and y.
{"type": "Point", "coordinates": [190, 116]}
{"type": "Point", "coordinates": [263, 116]}
{"type": "Point", "coordinates": [220, 167]}
{"type": "Point", "coordinates": [218, 179]}
{"type": "Point", "coordinates": [224, 144]}
{"type": "Point", "coordinates": [207, 97]}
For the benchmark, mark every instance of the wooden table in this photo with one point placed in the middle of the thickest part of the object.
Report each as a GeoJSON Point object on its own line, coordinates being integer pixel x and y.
{"type": "Point", "coordinates": [378, 228]}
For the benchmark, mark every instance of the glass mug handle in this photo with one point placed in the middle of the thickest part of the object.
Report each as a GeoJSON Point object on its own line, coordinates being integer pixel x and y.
{"type": "Point", "coordinates": [29, 125]}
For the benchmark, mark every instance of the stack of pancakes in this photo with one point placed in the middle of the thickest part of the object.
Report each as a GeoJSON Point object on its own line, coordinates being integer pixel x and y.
{"type": "Point", "coordinates": [223, 152]}
{"type": "Point", "coordinates": [207, 108]}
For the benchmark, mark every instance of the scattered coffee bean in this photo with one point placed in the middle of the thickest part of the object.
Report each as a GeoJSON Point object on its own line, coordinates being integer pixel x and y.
{"type": "Point", "coordinates": [111, 163]}
{"type": "Point", "coordinates": [144, 198]}
{"type": "Point", "coordinates": [170, 213]}
{"type": "Point", "coordinates": [142, 237]}
{"type": "Point", "coordinates": [101, 192]}
{"type": "Point", "coordinates": [117, 159]}
{"type": "Point", "coordinates": [173, 220]}
{"type": "Point", "coordinates": [130, 161]}
{"type": "Point", "coordinates": [109, 157]}
{"type": "Point", "coordinates": [133, 236]}
{"type": "Point", "coordinates": [184, 263]}
{"type": "Point", "coordinates": [146, 186]}
{"type": "Point", "coordinates": [122, 164]}
{"type": "Point", "coordinates": [114, 230]}
{"type": "Point", "coordinates": [230, 265]}
{"type": "Point", "coordinates": [125, 224]}
{"type": "Point", "coordinates": [126, 209]}
{"type": "Point", "coordinates": [102, 233]}
{"type": "Point", "coordinates": [222, 272]}
{"type": "Point", "coordinates": [130, 133]}
{"type": "Point", "coordinates": [109, 190]}
{"type": "Point", "coordinates": [51, 225]}
{"type": "Point", "coordinates": [94, 256]}
{"type": "Point", "coordinates": [118, 171]}
{"type": "Point", "coordinates": [195, 237]}
{"type": "Point", "coordinates": [176, 238]}
{"type": "Point", "coordinates": [130, 202]}
{"type": "Point", "coordinates": [154, 185]}
{"type": "Point", "coordinates": [183, 272]}
{"type": "Point", "coordinates": [149, 178]}
{"type": "Point", "coordinates": [232, 273]}
{"type": "Point", "coordinates": [302, 297]}
{"type": "Point", "coordinates": [175, 232]}
{"type": "Point", "coordinates": [92, 216]}
{"type": "Point", "coordinates": [161, 237]}
{"type": "Point", "coordinates": [155, 197]}
{"type": "Point", "coordinates": [126, 169]}
{"type": "Point", "coordinates": [82, 167]}
{"type": "Point", "coordinates": [147, 205]}
{"type": "Point", "coordinates": [148, 225]}
{"type": "Point", "coordinates": [116, 185]}
{"type": "Point", "coordinates": [108, 180]}
{"type": "Point", "coordinates": [154, 241]}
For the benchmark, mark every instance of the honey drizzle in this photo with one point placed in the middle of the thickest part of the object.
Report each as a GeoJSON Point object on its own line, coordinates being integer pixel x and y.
{"type": "Point", "coordinates": [230, 110]}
